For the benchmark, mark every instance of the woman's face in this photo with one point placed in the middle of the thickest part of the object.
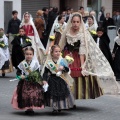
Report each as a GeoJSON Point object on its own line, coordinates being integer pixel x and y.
{"type": "Point", "coordinates": [76, 22]}
{"type": "Point", "coordinates": [27, 17]}
{"type": "Point", "coordinates": [62, 20]}
{"type": "Point", "coordinates": [90, 20]}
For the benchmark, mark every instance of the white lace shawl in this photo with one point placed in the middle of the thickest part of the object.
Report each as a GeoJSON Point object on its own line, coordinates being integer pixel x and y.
{"type": "Point", "coordinates": [117, 38]}
{"type": "Point", "coordinates": [95, 63]}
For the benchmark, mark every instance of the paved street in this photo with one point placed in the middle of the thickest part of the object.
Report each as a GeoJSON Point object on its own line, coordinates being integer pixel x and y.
{"type": "Point", "coordinates": [103, 108]}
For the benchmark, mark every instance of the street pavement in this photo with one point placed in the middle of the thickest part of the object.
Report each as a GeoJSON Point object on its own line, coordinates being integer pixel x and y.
{"type": "Point", "coordinates": [106, 107]}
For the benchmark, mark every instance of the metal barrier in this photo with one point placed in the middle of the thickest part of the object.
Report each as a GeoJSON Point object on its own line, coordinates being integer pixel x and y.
{"type": "Point", "coordinates": [112, 32]}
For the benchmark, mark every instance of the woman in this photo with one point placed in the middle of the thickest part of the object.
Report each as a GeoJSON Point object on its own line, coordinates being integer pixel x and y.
{"type": "Point", "coordinates": [88, 61]}
{"type": "Point", "coordinates": [116, 56]}
{"type": "Point", "coordinates": [5, 60]}
{"type": "Point", "coordinates": [91, 23]}
{"type": "Point", "coordinates": [31, 32]}
{"type": "Point", "coordinates": [57, 30]}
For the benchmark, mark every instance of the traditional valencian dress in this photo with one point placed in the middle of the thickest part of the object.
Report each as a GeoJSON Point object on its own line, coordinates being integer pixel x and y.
{"type": "Point", "coordinates": [32, 33]}
{"type": "Point", "coordinates": [58, 95]}
{"type": "Point", "coordinates": [116, 60]}
{"type": "Point", "coordinates": [57, 30]}
{"type": "Point", "coordinates": [84, 87]}
{"type": "Point", "coordinates": [28, 95]}
{"type": "Point", "coordinates": [18, 43]}
{"type": "Point", "coordinates": [99, 77]}
{"type": "Point", "coordinates": [5, 60]}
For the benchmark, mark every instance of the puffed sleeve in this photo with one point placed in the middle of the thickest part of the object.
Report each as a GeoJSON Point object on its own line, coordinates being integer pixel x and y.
{"type": "Point", "coordinates": [82, 48]}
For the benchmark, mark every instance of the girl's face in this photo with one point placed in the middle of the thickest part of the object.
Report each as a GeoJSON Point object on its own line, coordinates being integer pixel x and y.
{"type": "Point", "coordinates": [28, 55]}
{"type": "Point", "coordinates": [90, 20]}
{"type": "Point", "coordinates": [56, 53]}
{"type": "Point", "coordinates": [27, 17]}
{"type": "Point", "coordinates": [75, 22]}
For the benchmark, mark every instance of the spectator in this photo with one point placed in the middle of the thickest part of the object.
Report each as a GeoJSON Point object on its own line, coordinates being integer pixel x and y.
{"type": "Point", "coordinates": [101, 16]}
{"type": "Point", "coordinates": [108, 21]}
{"type": "Point", "coordinates": [117, 19]}
{"type": "Point", "coordinates": [13, 28]}
{"type": "Point", "coordinates": [68, 14]}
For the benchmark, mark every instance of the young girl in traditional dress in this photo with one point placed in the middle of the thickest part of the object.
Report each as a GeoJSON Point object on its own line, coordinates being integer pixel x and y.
{"type": "Point", "coordinates": [19, 43]}
{"type": "Point", "coordinates": [91, 71]}
{"type": "Point", "coordinates": [5, 59]}
{"type": "Point", "coordinates": [30, 30]}
{"type": "Point", "coordinates": [29, 94]}
{"type": "Point", "coordinates": [58, 95]}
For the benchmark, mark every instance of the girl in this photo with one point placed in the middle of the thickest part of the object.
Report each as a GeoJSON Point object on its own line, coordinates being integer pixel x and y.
{"type": "Point", "coordinates": [31, 32]}
{"type": "Point", "coordinates": [19, 43]}
{"type": "Point", "coordinates": [29, 94]}
{"type": "Point", "coordinates": [116, 56]}
{"type": "Point", "coordinates": [88, 61]}
{"type": "Point", "coordinates": [59, 95]}
{"type": "Point", "coordinates": [57, 30]}
{"type": "Point", "coordinates": [5, 60]}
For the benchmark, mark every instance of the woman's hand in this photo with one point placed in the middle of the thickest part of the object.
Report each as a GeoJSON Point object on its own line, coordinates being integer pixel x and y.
{"type": "Point", "coordinates": [44, 82]}
{"type": "Point", "coordinates": [60, 68]}
{"type": "Point", "coordinates": [22, 77]}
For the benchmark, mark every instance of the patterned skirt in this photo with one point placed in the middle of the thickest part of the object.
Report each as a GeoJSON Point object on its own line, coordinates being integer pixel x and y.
{"type": "Point", "coordinates": [84, 87]}
{"type": "Point", "coordinates": [59, 95]}
{"type": "Point", "coordinates": [28, 95]}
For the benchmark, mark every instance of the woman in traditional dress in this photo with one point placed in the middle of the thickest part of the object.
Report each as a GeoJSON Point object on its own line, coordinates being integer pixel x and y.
{"type": "Point", "coordinates": [116, 56]}
{"type": "Point", "coordinates": [29, 94]}
{"type": "Point", "coordinates": [5, 59]}
{"type": "Point", "coordinates": [31, 32]}
{"type": "Point", "coordinates": [89, 61]}
{"type": "Point", "coordinates": [58, 95]}
{"type": "Point", "coordinates": [57, 30]}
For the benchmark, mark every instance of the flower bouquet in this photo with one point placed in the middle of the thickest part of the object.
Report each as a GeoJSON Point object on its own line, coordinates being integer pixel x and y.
{"type": "Point", "coordinates": [52, 37]}
{"type": "Point", "coordinates": [34, 76]}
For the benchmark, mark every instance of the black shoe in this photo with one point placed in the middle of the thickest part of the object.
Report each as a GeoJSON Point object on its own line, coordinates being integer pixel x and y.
{"type": "Point", "coordinates": [59, 110]}
{"type": "Point", "coordinates": [54, 112]}
{"type": "Point", "coordinates": [29, 112]}
{"type": "Point", "coordinates": [3, 74]}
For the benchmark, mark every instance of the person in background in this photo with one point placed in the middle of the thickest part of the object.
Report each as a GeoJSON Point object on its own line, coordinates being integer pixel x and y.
{"type": "Point", "coordinates": [5, 58]}
{"type": "Point", "coordinates": [108, 21]}
{"type": "Point", "coordinates": [103, 42]}
{"type": "Point", "coordinates": [116, 19]}
{"type": "Point", "coordinates": [116, 56]}
{"type": "Point", "coordinates": [19, 43]}
{"type": "Point", "coordinates": [101, 16]}
{"type": "Point", "coordinates": [68, 14]}
{"type": "Point", "coordinates": [13, 28]}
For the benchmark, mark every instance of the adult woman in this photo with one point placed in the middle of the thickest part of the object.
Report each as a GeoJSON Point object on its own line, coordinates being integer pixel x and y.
{"type": "Point", "coordinates": [31, 32]}
{"type": "Point", "coordinates": [88, 58]}
{"type": "Point", "coordinates": [91, 23]}
{"type": "Point", "coordinates": [57, 30]}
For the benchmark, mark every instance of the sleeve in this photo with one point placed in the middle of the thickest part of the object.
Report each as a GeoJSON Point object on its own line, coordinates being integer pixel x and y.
{"type": "Point", "coordinates": [82, 48]}
{"type": "Point", "coordinates": [45, 74]}
{"type": "Point", "coordinates": [115, 48]}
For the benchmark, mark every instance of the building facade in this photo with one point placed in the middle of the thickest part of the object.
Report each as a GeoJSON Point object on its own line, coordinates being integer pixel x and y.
{"type": "Point", "coordinates": [7, 6]}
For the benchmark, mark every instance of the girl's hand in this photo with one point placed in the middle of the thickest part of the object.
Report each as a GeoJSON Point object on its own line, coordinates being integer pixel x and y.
{"type": "Point", "coordinates": [22, 76]}
{"type": "Point", "coordinates": [44, 82]}
{"type": "Point", "coordinates": [60, 68]}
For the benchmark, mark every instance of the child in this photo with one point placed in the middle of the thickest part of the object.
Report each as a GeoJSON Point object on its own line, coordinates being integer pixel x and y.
{"type": "Point", "coordinates": [58, 95]}
{"type": "Point", "coordinates": [103, 42]}
{"type": "Point", "coordinates": [29, 94]}
{"type": "Point", "coordinates": [19, 43]}
{"type": "Point", "coordinates": [116, 56]}
{"type": "Point", "coordinates": [5, 66]}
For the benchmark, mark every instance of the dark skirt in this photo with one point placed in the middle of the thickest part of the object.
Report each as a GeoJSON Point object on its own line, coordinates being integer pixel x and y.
{"type": "Point", "coordinates": [116, 64]}
{"type": "Point", "coordinates": [58, 95]}
{"type": "Point", "coordinates": [29, 94]}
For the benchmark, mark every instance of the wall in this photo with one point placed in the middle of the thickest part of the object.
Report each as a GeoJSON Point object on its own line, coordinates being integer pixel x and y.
{"type": "Point", "coordinates": [16, 6]}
